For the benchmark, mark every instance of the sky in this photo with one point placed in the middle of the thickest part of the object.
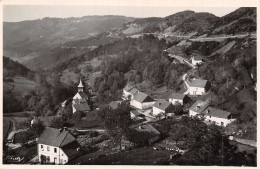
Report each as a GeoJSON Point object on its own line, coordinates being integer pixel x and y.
{"type": "Point", "coordinates": [15, 13]}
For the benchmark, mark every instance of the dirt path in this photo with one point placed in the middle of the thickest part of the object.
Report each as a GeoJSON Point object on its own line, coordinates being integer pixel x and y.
{"type": "Point", "coordinates": [246, 142]}
{"type": "Point", "coordinates": [12, 130]}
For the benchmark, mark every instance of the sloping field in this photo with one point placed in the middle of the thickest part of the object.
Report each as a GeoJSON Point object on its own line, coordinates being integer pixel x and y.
{"type": "Point", "coordinates": [68, 77]}
{"type": "Point", "coordinates": [225, 48]}
{"type": "Point", "coordinates": [21, 86]}
{"type": "Point", "coordinates": [92, 78]}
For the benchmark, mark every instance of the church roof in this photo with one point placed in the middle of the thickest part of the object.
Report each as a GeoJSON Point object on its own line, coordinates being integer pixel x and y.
{"type": "Point", "coordinates": [82, 107]}
{"type": "Point", "coordinates": [80, 83]}
{"type": "Point", "coordinates": [83, 95]}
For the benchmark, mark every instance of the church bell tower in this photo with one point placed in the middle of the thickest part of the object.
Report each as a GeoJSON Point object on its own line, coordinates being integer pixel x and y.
{"type": "Point", "coordinates": [80, 86]}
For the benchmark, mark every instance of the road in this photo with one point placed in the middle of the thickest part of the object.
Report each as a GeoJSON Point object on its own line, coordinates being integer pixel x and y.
{"type": "Point", "coordinates": [186, 83]}
{"type": "Point", "coordinates": [221, 37]}
{"type": "Point", "coordinates": [182, 60]}
{"type": "Point", "coordinates": [13, 130]}
{"type": "Point", "coordinates": [246, 142]}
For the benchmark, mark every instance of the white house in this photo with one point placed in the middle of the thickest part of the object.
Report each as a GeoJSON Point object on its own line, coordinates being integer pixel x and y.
{"type": "Point", "coordinates": [198, 87]}
{"type": "Point", "coordinates": [63, 104]}
{"type": "Point", "coordinates": [80, 100]}
{"type": "Point", "coordinates": [210, 114]}
{"type": "Point", "coordinates": [162, 106]}
{"type": "Point", "coordinates": [197, 108]}
{"type": "Point", "coordinates": [217, 116]}
{"type": "Point", "coordinates": [57, 146]}
{"type": "Point", "coordinates": [141, 101]}
{"type": "Point", "coordinates": [196, 60]}
{"type": "Point", "coordinates": [175, 98]}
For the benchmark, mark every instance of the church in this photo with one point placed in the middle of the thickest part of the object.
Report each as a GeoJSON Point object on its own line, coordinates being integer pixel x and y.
{"type": "Point", "coordinates": [80, 100]}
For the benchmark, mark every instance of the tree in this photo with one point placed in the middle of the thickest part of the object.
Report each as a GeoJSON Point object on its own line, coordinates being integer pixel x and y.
{"type": "Point", "coordinates": [57, 122]}
{"type": "Point", "coordinates": [178, 109]}
{"type": "Point", "coordinates": [117, 121]}
{"type": "Point", "coordinates": [37, 128]}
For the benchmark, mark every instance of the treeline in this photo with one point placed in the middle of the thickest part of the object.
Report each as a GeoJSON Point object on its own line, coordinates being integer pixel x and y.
{"type": "Point", "coordinates": [98, 40]}
{"type": "Point", "coordinates": [145, 57]}
{"type": "Point", "coordinates": [12, 68]}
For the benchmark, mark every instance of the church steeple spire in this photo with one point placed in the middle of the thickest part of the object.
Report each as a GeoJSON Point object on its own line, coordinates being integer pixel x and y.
{"type": "Point", "coordinates": [80, 86]}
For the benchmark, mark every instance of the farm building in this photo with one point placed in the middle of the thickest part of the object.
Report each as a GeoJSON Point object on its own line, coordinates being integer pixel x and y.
{"type": "Point", "coordinates": [198, 87]}
{"type": "Point", "coordinates": [210, 114]}
{"type": "Point", "coordinates": [57, 146]}
{"type": "Point", "coordinates": [196, 60]}
{"type": "Point", "coordinates": [162, 107]}
{"type": "Point", "coordinates": [141, 101]}
{"type": "Point", "coordinates": [178, 98]}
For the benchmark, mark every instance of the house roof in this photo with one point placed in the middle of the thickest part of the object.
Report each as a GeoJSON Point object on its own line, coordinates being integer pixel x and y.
{"type": "Point", "coordinates": [82, 107]}
{"type": "Point", "coordinates": [80, 83]}
{"type": "Point", "coordinates": [197, 58]}
{"type": "Point", "coordinates": [199, 106]}
{"type": "Point", "coordinates": [214, 112]}
{"type": "Point", "coordinates": [135, 112]}
{"type": "Point", "coordinates": [128, 87]}
{"type": "Point", "coordinates": [177, 96]}
{"type": "Point", "coordinates": [114, 104]}
{"type": "Point", "coordinates": [148, 128]}
{"type": "Point", "coordinates": [71, 149]}
{"type": "Point", "coordinates": [161, 104]}
{"type": "Point", "coordinates": [83, 95]}
{"type": "Point", "coordinates": [198, 83]}
{"type": "Point", "coordinates": [140, 96]}
{"type": "Point", "coordinates": [133, 91]}
{"type": "Point", "coordinates": [54, 137]}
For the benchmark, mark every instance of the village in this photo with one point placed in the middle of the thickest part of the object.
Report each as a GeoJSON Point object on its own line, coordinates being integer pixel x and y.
{"type": "Point", "coordinates": [60, 146]}
{"type": "Point", "coordinates": [177, 89]}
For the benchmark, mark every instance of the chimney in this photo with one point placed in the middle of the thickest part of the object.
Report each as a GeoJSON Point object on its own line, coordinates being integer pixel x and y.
{"type": "Point", "coordinates": [60, 130]}
{"type": "Point", "coordinates": [65, 129]}
{"type": "Point", "coordinates": [78, 149]}
{"type": "Point", "coordinates": [197, 107]}
{"type": "Point", "coordinates": [208, 111]}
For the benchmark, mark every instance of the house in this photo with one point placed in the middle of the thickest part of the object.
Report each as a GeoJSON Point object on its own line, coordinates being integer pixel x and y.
{"type": "Point", "coordinates": [63, 104]}
{"type": "Point", "coordinates": [210, 114]}
{"type": "Point", "coordinates": [129, 91]}
{"type": "Point", "coordinates": [80, 100]}
{"type": "Point", "coordinates": [135, 114]}
{"type": "Point", "coordinates": [162, 106]}
{"type": "Point", "coordinates": [132, 92]}
{"type": "Point", "coordinates": [197, 108]}
{"type": "Point", "coordinates": [114, 104]}
{"type": "Point", "coordinates": [141, 101]}
{"type": "Point", "coordinates": [217, 116]}
{"type": "Point", "coordinates": [175, 98]}
{"type": "Point", "coordinates": [198, 87]}
{"type": "Point", "coordinates": [196, 60]}
{"type": "Point", "coordinates": [155, 134]}
{"type": "Point", "coordinates": [57, 146]}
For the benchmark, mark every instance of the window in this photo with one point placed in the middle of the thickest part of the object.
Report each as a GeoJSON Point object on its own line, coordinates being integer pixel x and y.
{"type": "Point", "coordinates": [41, 146]}
{"type": "Point", "coordinates": [55, 150]}
{"type": "Point", "coordinates": [48, 148]}
{"type": "Point", "coordinates": [47, 159]}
